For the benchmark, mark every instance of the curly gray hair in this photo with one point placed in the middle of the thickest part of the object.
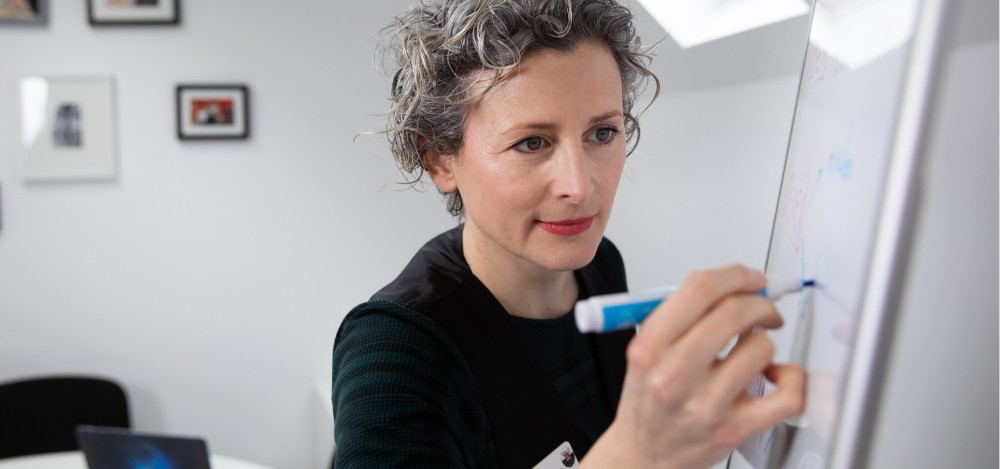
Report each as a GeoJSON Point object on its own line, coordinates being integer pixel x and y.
{"type": "Point", "coordinates": [437, 44]}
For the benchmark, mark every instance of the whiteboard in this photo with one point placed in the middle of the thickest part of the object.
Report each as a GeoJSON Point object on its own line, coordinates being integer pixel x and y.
{"type": "Point", "coordinates": [843, 218]}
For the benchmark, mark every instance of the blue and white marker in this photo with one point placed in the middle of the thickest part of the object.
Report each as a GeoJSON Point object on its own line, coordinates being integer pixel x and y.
{"type": "Point", "coordinates": [606, 313]}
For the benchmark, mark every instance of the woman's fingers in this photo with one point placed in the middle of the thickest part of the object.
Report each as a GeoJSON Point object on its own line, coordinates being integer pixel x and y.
{"type": "Point", "coordinates": [691, 359]}
{"type": "Point", "coordinates": [731, 377]}
{"type": "Point", "coordinates": [680, 401]}
{"type": "Point", "coordinates": [750, 415]}
{"type": "Point", "coordinates": [733, 316]}
{"type": "Point", "coordinates": [712, 391]}
{"type": "Point", "coordinates": [678, 344]}
{"type": "Point", "coordinates": [693, 354]}
{"type": "Point", "coordinates": [699, 292]}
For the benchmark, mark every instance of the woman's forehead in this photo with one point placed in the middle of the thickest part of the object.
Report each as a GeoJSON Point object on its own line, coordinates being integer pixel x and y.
{"type": "Point", "coordinates": [586, 76]}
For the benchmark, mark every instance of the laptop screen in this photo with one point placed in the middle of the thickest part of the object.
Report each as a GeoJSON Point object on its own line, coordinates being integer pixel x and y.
{"type": "Point", "coordinates": [122, 448]}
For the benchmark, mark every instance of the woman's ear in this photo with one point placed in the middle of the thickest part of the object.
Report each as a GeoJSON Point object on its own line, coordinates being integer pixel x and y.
{"type": "Point", "coordinates": [439, 167]}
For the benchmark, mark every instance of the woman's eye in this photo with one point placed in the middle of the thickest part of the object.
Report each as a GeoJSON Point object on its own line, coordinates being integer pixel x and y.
{"type": "Point", "coordinates": [604, 134]}
{"type": "Point", "coordinates": [530, 144]}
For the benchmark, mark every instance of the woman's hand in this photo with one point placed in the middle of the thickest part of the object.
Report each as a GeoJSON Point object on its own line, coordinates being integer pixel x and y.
{"type": "Point", "coordinates": [683, 407]}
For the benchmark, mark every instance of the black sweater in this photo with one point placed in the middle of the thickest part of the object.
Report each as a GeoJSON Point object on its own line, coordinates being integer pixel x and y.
{"type": "Point", "coordinates": [432, 372]}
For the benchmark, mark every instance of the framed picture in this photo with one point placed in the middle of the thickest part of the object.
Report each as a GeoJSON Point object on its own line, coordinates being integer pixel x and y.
{"type": "Point", "coordinates": [24, 11]}
{"type": "Point", "coordinates": [212, 112]}
{"type": "Point", "coordinates": [67, 128]}
{"type": "Point", "coordinates": [133, 12]}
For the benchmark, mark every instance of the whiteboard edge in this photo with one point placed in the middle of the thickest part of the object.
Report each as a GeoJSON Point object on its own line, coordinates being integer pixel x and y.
{"type": "Point", "coordinates": [888, 263]}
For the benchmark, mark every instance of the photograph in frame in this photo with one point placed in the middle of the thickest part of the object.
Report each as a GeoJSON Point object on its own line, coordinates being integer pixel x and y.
{"type": "Point", "coordinates": [27, 12]}
{"type": "Point", "coordinates": [67, 128]}
{"type": "Point", "coordinates": [212, 111]}
{"type": "Point", "coordinates": [133, 12]}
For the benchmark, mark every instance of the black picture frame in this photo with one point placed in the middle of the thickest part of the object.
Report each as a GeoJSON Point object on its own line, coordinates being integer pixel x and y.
{"type": "Point", "coordinates": [207, 111]}
{"type": "Point", "coordinates": [133, 12]}
{"type": "Point", "coordinates": [37, 13]}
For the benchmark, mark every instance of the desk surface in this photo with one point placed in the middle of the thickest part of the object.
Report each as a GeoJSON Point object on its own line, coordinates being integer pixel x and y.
{"type": "Point", "coordinates": [75, 460]}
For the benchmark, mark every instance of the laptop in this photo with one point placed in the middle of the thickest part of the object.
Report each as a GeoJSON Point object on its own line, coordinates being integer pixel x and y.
{"type": "Point", "coordinates": [123, 448]}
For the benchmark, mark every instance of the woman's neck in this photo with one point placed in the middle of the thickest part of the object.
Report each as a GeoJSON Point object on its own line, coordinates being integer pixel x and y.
{"type": "Point", "coordinates": [522, 288]}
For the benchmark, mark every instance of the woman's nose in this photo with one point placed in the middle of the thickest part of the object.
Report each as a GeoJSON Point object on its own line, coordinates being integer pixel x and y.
{"type": "Point", "coordinates": [572, 181]}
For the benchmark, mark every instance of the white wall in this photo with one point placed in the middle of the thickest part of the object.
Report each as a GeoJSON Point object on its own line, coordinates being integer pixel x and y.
{"type": "Point", "coordinates": [211, 276]}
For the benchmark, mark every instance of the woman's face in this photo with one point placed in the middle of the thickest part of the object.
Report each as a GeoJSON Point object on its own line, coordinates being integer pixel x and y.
{"type": "Point", "coordinates": [540, 161]}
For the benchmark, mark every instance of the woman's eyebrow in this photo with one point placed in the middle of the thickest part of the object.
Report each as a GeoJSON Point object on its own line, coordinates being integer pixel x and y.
{"type": "Point", "coordinates": [529, 126]}
{"type": "Point", "coordinates": [549, 126]}
{"type": "Point", "coordinates": [607, 116]}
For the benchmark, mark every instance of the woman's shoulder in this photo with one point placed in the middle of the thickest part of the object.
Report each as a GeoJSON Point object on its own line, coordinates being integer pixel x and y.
{"type": "Point", "coordinates": [434, 271]}
{"type": "Point", "coordinates": [383, 336]}
{"type": "Point", "coordinates": [384, 324]}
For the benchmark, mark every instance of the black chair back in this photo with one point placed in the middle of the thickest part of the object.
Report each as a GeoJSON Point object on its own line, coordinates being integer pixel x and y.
{"type": "Point", "coordinates": [40, 415]}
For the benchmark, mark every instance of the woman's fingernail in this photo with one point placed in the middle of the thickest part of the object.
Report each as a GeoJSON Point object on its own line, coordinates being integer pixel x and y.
{"type": "Point", "coordinates": [760, 276]}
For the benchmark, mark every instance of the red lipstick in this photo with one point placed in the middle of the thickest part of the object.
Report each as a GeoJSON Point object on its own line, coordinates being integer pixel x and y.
{"type": "Point", "coordinates": [566, 227]}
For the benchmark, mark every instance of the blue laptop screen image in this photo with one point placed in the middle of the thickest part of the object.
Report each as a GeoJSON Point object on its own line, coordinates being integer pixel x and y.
{"type": "Point", "coordinates": [121, 448]}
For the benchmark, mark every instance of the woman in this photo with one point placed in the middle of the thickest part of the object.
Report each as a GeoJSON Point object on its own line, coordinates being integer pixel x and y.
{"type": "Point", "coordinates": [520, 112]}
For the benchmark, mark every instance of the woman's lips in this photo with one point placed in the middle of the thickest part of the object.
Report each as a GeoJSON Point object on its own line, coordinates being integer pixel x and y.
{"type": "Point", "coordinates": [566, 227]}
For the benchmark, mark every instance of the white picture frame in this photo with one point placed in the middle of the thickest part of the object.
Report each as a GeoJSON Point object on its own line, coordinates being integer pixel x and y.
{"type": "Point", "coordinates": [67, 128]}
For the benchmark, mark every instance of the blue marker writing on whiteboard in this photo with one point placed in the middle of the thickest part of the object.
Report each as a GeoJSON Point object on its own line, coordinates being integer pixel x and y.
{"type": "Point", "coordinates": [605, 313]}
